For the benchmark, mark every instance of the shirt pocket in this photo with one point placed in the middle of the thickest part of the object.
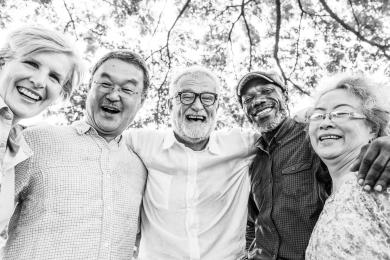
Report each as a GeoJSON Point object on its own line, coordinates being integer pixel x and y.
{"type": "Point", "coordinates": [297, 178]}
{"type": "Point", "coordinates": [158, 188]}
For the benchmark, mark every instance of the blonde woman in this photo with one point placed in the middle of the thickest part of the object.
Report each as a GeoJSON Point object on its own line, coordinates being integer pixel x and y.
{"type": "Point", "coordinates": [37, 66]}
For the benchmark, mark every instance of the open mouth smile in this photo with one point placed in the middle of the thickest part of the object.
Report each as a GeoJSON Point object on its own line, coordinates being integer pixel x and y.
{"type": "Point", "coordinates": [328, 137]}
{"type": "Point", "coordinates": [196, 118]}
{"type": "Point", "coordinates": [28, 93]}
{"type": "Point", "coordinates": [110, 109]}
{"type": "Point", "coordinates": [262, 111]}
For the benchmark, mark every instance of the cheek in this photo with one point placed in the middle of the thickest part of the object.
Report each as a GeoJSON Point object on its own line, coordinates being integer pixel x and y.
{"type": "Point", "coordinates": [312, 133]}
{"type": "Point", "coordinates": [53, 92]}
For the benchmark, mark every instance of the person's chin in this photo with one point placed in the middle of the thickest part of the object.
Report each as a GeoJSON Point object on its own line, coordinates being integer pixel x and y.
{"type": "Point", "coordinates": [22, 111]}
{"type": "Point", "coordinates": [328, 153]}
{"type": "Point", "coordinates": [198, 133]}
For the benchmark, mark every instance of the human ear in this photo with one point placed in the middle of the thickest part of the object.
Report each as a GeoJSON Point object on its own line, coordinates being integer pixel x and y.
{"type": "Point", "coordinates": [170, 104]}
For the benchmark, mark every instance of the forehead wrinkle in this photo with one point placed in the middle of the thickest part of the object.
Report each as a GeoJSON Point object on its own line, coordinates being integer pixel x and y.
{"type": "Point", "coordinates": [197, 80]}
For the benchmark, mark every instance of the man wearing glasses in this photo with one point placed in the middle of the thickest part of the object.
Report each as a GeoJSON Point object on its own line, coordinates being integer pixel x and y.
{"type": "Point", "coordinates": [195, 203]}
{"type": "Point", "coordinates": [79, 195]}
{"type": "Point", "coordinates": [289, 183]}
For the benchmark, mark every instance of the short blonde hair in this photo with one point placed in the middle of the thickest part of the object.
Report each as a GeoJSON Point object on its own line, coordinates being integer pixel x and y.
{"type": "Point", "coordinates": [30, 40]}
{"type": "Point", "coordinates": [374, 96]}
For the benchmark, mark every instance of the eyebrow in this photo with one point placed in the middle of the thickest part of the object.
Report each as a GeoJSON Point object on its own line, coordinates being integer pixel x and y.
{"type": "Point", "coordinates": [108, 76]}
{"type": "Point", "coordinates": [340, 105]}
{"type": "Point", "coordinates": [58, 75]}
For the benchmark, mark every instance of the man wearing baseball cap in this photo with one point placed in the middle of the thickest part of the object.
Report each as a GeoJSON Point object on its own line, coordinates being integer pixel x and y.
{"type": "Point", "coordinates": [289, 183]}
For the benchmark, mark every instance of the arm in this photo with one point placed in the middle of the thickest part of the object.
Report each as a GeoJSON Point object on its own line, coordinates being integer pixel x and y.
{"type": "Point", "coordinates": [373, 164]}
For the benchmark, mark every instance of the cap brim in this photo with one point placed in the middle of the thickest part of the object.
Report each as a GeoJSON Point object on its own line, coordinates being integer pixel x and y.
{"type": "Point", "coordinates": [250, 76]}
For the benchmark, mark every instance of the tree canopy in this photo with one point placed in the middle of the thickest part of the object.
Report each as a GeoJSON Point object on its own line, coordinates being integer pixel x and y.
{"type": "Point", "coordinates": [303, 39]}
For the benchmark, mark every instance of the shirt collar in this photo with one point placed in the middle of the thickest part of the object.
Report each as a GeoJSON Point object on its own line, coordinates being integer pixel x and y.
{"type": "Point", "coordinates": [284, 128]}
{"type": "Point", "coordinates": [170, 140]}
{"type": "Point", "coordinates": [5, 110]}
{"type": "Point", "coordinates": [2, 103]}
{"type": "Point", "coordinates": [82, 127]}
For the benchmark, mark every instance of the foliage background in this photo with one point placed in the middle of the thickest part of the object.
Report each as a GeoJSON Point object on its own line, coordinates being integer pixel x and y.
{"type": "Point", "coordinates": [303, 39]}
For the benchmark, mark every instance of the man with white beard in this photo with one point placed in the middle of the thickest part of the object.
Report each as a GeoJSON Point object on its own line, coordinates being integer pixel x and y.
{"type": "Point", "coordinates": [195, 203]}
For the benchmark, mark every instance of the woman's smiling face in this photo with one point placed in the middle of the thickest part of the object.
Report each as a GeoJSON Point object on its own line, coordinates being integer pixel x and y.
{"type": "Point", "coordinates": [334, 137]}
{"type": "Point", "coordinates": [30, 84]}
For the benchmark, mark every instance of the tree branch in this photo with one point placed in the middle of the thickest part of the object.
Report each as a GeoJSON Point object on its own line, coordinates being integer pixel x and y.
{"type": "Point", "coordinates": [248, 33]}
{"type": "Point", "coordinates": [297, 46]}
{"type": "Point", "coordinates": [71, 21]}
{"type": "Point", "coordinates": [170, 30]}
{"type": "Point", "coordinates": [354, 15]}
{"type": "Point", "coordinates": [383, 48]}
{"type": "Point", "coordinates": [159, 19]}
{"type": "Point", "coordinates": [276, 48]}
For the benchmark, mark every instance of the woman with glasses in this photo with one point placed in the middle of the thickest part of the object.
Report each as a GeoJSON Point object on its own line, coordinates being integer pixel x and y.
{"type": "Point", "coordinates": [354, 224]}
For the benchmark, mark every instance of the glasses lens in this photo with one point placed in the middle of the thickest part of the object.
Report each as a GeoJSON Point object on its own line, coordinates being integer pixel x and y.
{"type": "Point", "coordinates": [339, 116]}
{"type": "Point", "coordinates": [187, 98]}
{"type": "Point", "coordinates": [207, 98]}
{"type": "Point", "coordinates": [316, 117]}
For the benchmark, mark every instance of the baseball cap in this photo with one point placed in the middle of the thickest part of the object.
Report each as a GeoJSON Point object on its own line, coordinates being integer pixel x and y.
{"type": "Point", "coordinates": [269, 76]}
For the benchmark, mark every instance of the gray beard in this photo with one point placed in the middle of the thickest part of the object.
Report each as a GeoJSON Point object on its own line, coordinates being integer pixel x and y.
{"type": "Point", "coordinates": [271, 124]}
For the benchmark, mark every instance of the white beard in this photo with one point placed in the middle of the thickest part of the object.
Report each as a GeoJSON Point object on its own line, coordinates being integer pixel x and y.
{"type": "Point", "coordinates": [193, 132]}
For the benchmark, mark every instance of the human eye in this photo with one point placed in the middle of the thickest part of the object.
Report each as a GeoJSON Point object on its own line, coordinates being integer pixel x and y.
{"type": "Point", "coordinates": [104, 84]}
{"type": "Point", "coordinates": [247, 99]}
{"type": "Point", "coordinates": [340, 114]}
{"type": "Point", "coordinates": [31, 63]}
{"type": "Point", "coordinates": [267, 91]}
{"type": "Point", "coordinates": [316, 117]}
{"type": "Point", "coordinates": [55, 77]}
{"type": "Point", "coordinates": [208, 98]}
{"type": "Point", "coordinates": [128, 91]}
{"type": "Point", "coordinates": [187, 96]}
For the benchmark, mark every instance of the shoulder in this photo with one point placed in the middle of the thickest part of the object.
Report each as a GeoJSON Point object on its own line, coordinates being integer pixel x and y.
{"type": "Point", "coordinates": [365, 204]}
{"type": "Point", "coordinates": [44, 131]}
{"type": "Point", "coordinates": [144, 139]}
{"type": "Point", "coordinates": [235, 139]}
{"type": "Point", "coordinates": [144, 135]}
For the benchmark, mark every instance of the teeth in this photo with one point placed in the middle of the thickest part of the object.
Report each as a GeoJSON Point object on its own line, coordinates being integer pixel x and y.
{"type": "Point", "coordinates": [111, 109]}
{"type": "Point", "coordinates": [334, 137]}
{"type": "Point", "coordinates": [264, 111]}
{"type": "Point", "coordinates": [29, 94]}
{"type": "Point", "coordinates": [195, 117]}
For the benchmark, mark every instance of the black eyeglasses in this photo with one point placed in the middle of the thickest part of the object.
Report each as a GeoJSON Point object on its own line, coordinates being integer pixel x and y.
{"type": "Point", "coordinates": [188, 97]}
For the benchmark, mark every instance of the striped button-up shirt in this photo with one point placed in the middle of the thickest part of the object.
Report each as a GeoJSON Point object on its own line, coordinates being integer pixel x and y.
{"type": "Point", "coordinates": [195, 203]}
{"type": "Point", "coordinates": [78, 197]}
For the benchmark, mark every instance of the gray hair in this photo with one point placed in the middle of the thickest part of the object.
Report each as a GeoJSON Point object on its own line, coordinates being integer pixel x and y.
{"type": "Point", "coordinates": [195, 72]}
{"type": "Point", "coordinates": [128, 57]}
{"type": "Point", "coordinates": [30, 40]}
{"type": "Point", "coordinates": [375, 100]}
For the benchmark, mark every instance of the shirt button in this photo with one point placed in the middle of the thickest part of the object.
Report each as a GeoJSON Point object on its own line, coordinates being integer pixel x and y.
{"type": "Point", "coordinates": [106, 245]}
{"type": "Point", "coordinates": [2, 145]}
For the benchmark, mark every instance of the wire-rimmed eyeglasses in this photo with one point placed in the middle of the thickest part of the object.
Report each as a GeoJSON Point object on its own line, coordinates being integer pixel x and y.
{"type": "Point", "coordinates": [335, 116]}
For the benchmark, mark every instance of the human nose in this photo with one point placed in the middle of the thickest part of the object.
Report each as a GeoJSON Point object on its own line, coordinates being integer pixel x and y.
{"type": "Point", "coordinates": [197, 104]}
{"type": "Point", "coordinates": [258, 100]}
{"type": "Point", "coordinates": [114, 93]}
{"type": "Point", "coordinates": [39, 79]}
{"type": "Point", "coordinates": [326, 122]}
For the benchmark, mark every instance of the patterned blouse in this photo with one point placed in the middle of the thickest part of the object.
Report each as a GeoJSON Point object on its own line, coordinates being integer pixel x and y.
{"type": "Point", "coordinates": [354, 224]}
